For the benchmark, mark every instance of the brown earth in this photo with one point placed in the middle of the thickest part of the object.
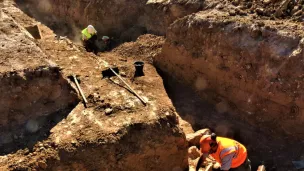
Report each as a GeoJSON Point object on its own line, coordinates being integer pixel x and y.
{"type": "Point", "coordinates": [125, 20]}
{"type": "Point", "coordinates": [87, 136]}
{"type": "Point", "coordinates": [251, 65]}
{"type": "Point", "coordinates": [243, 67]}
{"type": "Point", "coordinates": [261, 9]}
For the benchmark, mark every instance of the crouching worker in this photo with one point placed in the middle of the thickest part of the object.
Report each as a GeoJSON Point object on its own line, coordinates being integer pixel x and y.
{"type": "Point", "coordinates": [105, 44]}
{"type": "Point", "coordinates": [230, 154]}
{"type": "Point", "coordinates": [89, 37]}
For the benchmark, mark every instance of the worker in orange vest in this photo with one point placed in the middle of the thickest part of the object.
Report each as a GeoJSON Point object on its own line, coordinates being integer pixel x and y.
{"type": "Point", "coordinates": [230, 154]}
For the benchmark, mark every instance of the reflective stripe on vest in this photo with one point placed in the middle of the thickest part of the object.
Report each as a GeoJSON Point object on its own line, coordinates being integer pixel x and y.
{"type": "Point", "coordinates": [228, 146]}
{"type": "Point", "coordinates": [86, 33]}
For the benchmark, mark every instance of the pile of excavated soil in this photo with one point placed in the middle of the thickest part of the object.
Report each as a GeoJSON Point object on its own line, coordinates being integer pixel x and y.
{"type": "Point", "coordinates": [145, 48]}
{"type": "Point", "coordinates": [262, 9]}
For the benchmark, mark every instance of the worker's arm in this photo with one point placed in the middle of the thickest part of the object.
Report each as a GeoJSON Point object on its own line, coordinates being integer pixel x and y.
{"type": "Point", "coordinates": [83, 37]}
{"type": "Point", "coordinates": [226, 162]}
{"type": "Point", "coordinates": [200, 161]}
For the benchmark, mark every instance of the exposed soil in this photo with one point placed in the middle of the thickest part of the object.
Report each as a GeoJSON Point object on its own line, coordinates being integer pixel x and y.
{"type": "Point", "coordinates": [251, 65]}
{"type": "Point", "coordinates": [125, 20]}
{"type": "Point", "coordinates": [44, 98]}
{"type": "Point", "coordinates": [232, 66]}
{"type": "Point", "coordinates": [116, 130]}
{"type": "Point", "coordinates": [261, 9]}
{"type": "Point", "coordinates": [263, 146]}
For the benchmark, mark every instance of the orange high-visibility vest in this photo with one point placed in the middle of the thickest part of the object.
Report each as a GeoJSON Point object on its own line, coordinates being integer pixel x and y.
{"type": "Point", "coordinates": [227, 146]}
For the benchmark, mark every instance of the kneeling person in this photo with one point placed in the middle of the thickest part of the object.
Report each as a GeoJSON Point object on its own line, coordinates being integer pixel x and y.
{"type": "Point", "coordinates": [89, 37]}
{"type": "Point", "coordinates": [230, 154]}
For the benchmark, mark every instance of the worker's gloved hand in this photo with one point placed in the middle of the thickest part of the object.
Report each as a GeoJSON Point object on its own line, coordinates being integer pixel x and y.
{"type": "Point", "coordinates": [216, 165]}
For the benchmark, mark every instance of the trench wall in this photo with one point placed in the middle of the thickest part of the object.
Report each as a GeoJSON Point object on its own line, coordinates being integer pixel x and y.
{"type": "Point", "coordinates": [32, 93]}
{"type": "Point", "coordinates": [255, 66]}
{"type": "Point", "coordinates": [141, 146]}
{"type": "Point", "coordinates": [125, 20]}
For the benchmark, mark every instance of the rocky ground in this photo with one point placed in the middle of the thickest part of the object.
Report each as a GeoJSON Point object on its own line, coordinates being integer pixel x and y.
{"type": "Point", "coordinates": [115, 119]}
{"type": "Point", "coordinates": [232, 66]}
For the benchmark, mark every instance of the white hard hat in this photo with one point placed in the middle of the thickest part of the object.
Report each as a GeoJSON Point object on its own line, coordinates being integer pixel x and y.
{"type": "Point", "coordinates": [91, 29]}
{"type": "Point", "coordinates": [105, 38]}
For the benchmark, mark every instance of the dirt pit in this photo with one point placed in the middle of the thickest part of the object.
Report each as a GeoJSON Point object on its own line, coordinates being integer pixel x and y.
{"type": "Point", "coordinates": [32, 102]}
{"type": "Point", "coordinates": [117, 131]}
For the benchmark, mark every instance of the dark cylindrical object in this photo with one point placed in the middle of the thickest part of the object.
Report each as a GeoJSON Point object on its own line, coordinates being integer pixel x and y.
{"type": "Point", "coordinates": [139, 68]}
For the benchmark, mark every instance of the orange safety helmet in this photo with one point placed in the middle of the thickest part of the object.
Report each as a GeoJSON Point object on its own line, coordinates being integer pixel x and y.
{"type": "Point", "coordinates": [206, 142]}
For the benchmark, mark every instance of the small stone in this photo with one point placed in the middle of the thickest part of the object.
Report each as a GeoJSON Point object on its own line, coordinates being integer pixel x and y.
{"type": "Point", "coordinates": [129, 105]}
{"type": "Point", "coordinates": [108, 111]}
{"type": "Point", "coordinates": [255, 31]}
{"type": "Point", "coordinates": [232, 13]}
{"type": "Point", "coordinates": [236, 2]}
{"type": "Point", "coordinates": [123, 74]}
{"type": "Point", "coordinates": [193, 153]}
{"type": "Point", "coordinates": [266, 2]}
{"type": "Point", "coordinates": [219, 6]}
{"type": "Point", "coordinates": [240, 12]}
{"type": "Point", "coordinates": [42, 164]}
{"type": "Point", "coordinates": [260, 11]}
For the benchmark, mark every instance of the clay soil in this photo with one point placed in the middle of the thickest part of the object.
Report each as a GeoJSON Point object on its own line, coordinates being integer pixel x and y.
{"type": "Point", "coordinates": [114, 113]}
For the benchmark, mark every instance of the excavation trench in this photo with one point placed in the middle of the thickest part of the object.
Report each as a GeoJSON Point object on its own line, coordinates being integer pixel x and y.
{"type": "Point", "coordinates": [122, 20]}
{"type": "Point", "coordinates": [200, 112]}
{"type": "Point", "coordinates": [224, 96]}
{"type": "Point", "coordinates": [32, 102]}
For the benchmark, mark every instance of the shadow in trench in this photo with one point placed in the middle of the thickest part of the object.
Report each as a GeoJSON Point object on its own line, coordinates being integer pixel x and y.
{"type": "Point", "coordinates": [26, 136]}
{"type": "Point", "coordinates": [261, 145]}
{"type": "Point", "coordinates": [71, 28]}
{"type": "Point", "coordinates": [31, 104]}
{"type": "Point", "coordinates": [60, 27]}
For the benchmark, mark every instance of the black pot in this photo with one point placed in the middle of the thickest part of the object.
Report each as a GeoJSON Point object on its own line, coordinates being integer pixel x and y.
{"type": "Point", "coordinates": [139, 67]}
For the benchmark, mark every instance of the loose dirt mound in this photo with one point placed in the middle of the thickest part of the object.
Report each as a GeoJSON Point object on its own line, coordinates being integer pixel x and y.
{"type": "Point", "coordinates": [261, 9]}
{"type": "Point", "coordinates": [145, 48]}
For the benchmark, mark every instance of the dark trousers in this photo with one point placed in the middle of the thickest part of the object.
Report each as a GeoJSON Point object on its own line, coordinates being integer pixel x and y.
{"type": "Point", "coordinates": [90, 45]}
{"type": "Point", "coordinates": [246, 166]}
